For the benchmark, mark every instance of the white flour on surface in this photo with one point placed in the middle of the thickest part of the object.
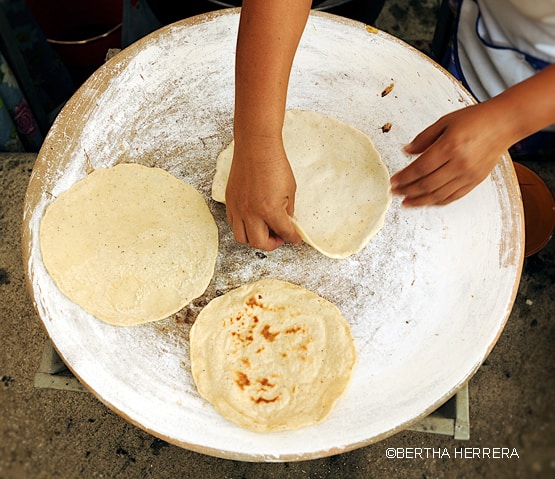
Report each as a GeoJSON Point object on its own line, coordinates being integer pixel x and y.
{"type": "Point", "coordinates": [426, 299]}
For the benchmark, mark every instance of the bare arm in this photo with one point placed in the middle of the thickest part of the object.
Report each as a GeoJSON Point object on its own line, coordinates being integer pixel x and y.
{"type": "Point", "coordinates": [461, 148]}
{"type": "Point", "coordinates": [261, 189]}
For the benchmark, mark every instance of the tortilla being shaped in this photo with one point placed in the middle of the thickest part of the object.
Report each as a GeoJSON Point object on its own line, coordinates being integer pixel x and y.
{"type": "Point", "coordinates": [271, 355]}
{"type": "Point", "coordinates": [130, 244]}
{"type": "Point", "coordinates": [343, 187]}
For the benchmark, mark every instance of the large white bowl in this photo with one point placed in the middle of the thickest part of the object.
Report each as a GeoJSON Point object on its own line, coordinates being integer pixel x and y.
{"type": "Point", "coordinates": [426, 299]}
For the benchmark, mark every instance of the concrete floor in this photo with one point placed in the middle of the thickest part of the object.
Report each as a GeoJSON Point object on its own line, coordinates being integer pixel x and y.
{"type": "Point", "coordinates": [46, 433]}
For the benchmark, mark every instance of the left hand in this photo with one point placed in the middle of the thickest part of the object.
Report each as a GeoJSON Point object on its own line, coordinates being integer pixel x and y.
{"type": "Point", "coordinates": [456, 154]}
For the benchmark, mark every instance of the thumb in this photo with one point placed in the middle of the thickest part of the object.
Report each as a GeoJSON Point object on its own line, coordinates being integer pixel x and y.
{"type": "Point", "coordinates": [290, 208]}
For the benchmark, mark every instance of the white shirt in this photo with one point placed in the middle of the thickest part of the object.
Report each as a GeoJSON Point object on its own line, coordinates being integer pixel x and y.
{"type": "Point", "coordinates": [499, 40]}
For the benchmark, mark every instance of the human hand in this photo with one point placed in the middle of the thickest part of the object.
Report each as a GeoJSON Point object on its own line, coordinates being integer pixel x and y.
{"type": "Point", "coordinates": [260, 194]}
{"type": "Point", "coordinates": [456, 154]}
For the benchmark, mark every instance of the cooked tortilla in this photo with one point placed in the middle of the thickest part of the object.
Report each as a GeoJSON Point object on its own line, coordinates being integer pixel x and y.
{"type": "Point", "coordinates": [271, 355]}
{"type": "Point", "coordinates": [130, 244]}
{"type": "Point", "coordinates": [343, 187]}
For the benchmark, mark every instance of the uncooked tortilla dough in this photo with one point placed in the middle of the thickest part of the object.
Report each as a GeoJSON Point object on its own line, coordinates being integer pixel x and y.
{"type": "Point", "coordinates": [271, 355]}
{"type": "Point", "coordinates": [343, 187]}
{"type": "Point", "coordinates": [130, 244]}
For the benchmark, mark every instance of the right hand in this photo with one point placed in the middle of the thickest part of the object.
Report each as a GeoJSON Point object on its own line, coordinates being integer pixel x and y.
{"type": "Point", "coordinates": [260, 194]}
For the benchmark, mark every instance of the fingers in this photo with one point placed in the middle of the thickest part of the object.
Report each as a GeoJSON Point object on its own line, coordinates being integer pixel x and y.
{"type": "Point", "coordinates": [263, 234]}
{"type": "Point", "coordinates": [238, 227]}
{"type": "Point", "coordinates": [259, 236]}
{"type": "Point", "coordinates": [438, 197]}
{"type": "Point", "coordinates": [438, 179]}
{"type": "Point", "coordinates": [426, 181]}
{"type": "Point", "coordinates": [423, 166]}
{"type": "Point", "coordinates": [421, 176]}
{"type": "Point", "coordinates": [454, 158]}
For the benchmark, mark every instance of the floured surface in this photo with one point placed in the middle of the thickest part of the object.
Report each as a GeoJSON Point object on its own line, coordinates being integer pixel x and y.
{"type": "Point", "coordinates": [426, 299]}
{"type": "Point", "coordinates": [271, 356]}
{"type": "Point", "coordinates": [343, 188]}
{"type": "Point", "coordinates": [130, 244]}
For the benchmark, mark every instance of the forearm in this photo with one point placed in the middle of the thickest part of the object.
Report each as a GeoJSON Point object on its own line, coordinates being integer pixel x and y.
{"type": "Point", "coordinates": [527, 107]}
{"type": "Point", "coordinates": [269, 33]}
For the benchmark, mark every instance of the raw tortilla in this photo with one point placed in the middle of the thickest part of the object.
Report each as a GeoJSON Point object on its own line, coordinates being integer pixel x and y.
{"type": "Point", "coordinates": [343, 187]}
{"type": "Point", "coordinates": [271, 355]}
{"type": "Point", "coordinates": [130, 244]}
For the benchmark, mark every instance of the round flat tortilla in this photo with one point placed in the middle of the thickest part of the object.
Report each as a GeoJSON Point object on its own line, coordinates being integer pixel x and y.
{"type": "Point", "coordinates": [343, 187]}
{"type": "Point", "coordinates": [130, 244]}
{"type": "Point", "coordinates": [271, 355]}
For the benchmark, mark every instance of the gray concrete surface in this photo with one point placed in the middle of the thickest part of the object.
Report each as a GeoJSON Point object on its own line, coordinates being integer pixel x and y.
{"type": "Point", "coordinates": [46, 433]}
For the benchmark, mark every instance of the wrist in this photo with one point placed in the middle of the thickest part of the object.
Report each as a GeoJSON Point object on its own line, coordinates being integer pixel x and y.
{"type": "Point", "coordinates": [510, 125]}
{"type": "Point", "coordinates": [264, 132]}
